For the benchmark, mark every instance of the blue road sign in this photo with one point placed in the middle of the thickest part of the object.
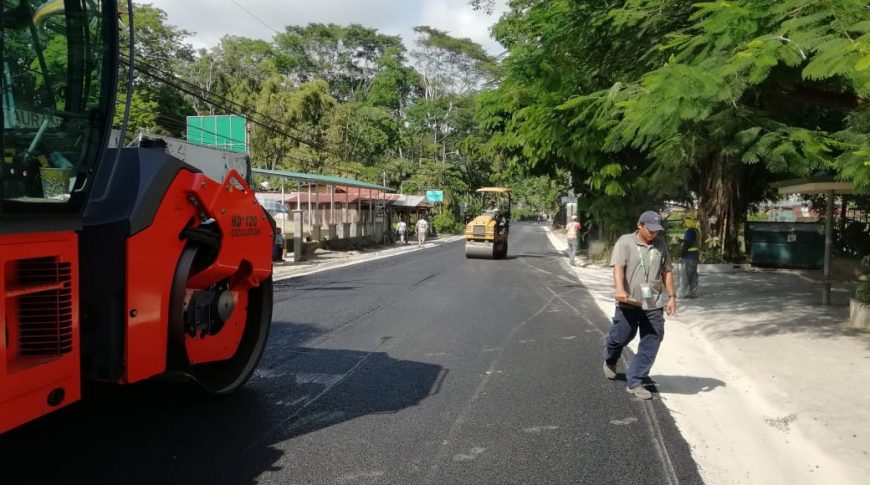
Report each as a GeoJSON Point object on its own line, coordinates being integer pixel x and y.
{"type": "Point", "coordinates": [435, 195]}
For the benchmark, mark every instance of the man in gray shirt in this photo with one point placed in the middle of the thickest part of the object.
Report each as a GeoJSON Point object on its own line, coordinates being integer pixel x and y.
{"type": "Point", "coordinates": [644, 282]}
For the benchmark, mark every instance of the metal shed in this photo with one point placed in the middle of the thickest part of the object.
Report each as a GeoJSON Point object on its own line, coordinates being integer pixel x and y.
{"type": "Point", "coordinates": [338, 190]}
{"type": "Point", "coordinates": [820, 185]}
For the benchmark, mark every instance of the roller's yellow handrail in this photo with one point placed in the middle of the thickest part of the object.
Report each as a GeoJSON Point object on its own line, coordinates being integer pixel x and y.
{"type": "Point", "coordinates": [46, 10]}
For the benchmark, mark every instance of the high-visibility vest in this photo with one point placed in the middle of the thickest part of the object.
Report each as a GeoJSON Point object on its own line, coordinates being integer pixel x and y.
{"type": "Point", "coordinates": [693, 248]}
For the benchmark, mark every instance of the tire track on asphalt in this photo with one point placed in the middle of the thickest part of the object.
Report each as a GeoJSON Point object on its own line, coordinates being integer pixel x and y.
{"type": "Point", "coordinates": [297, 412]}
{"type": "Point", "coordinates": [313, 400]}
{"type": "Point", "coordinates": [653, 426]}
{"type": "Point", "coordinates": [337, 329]}
{"type": "Point", "coordinates": [652, 421]}
{"type": "Point", "coordinates": [456, 427]}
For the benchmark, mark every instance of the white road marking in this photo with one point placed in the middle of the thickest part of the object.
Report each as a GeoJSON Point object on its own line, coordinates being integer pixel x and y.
{"type": "Point", "coordinates": [352, 477]}
{"type": "Point", "coordinates": [471, 455]}
{"type": "Point", "coordinates": [538, 429]}
{"type": "Point", "coordinates": [623, 422]}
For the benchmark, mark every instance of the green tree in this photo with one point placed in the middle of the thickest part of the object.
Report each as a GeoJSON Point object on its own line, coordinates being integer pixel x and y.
{"type": "Point", "coordinates": [302, 113]}
{"type": "Point", "coordinates": [752, 91]}
{"type": "Point", "coordinates": [394, 83]}
{"type": "Point", "coordinates": [359, 133]}
{"type": "Point", "coordinates": [652, 100]}
{"type": "Point", "coordinates": [450, 65]}
{"type": "Point", "coordinates": [143, 113]}
{"type": "Point", "coordinates": [236, 69]}
{"type": "Point", "coordinates": [347, 57]}
{"type": "Point", "coordinates": [160, 52]}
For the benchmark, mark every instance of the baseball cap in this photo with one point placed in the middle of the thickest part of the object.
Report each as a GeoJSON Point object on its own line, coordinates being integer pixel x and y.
{"type": "Point", "coordinates": [574, 218]}
{"type": "Point", "coordinates": [652, 220]}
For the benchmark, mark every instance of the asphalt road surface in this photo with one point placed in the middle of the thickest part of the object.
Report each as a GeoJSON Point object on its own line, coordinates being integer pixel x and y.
{"type": "Point", "coordinates": [421, 368]}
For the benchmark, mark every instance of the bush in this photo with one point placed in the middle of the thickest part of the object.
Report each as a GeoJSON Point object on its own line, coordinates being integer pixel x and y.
{"type": "Point", "coordinates": [444, 223]}
{"type": "Point", "coordinates": [603, 258]}
{"type": "Point", "coordinates": [523, 214]}
{"type": "Point", "coordinates": [712, 257]}
{"type": "Point", "coordinates": [675, 248]}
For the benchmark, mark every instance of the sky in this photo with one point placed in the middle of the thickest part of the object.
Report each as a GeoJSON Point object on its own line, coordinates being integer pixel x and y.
{"type": "Point", "coordinates": [261, 19]}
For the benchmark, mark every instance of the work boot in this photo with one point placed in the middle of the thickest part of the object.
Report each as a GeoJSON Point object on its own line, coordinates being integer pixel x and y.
{"type": "Point", "coordinates": [640, 392]}
{"type": "Point", "coordinates": [609, 370]}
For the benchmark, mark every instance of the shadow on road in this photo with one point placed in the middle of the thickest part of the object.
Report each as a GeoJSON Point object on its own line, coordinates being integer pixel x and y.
{"type": "Point", "coordinates": [322, 387]}
{"type": "Point", "coordinates": [686, 384]}
{"type": "Point", "coordinates": [159, 432]}
{"type": "Point", "coordinates": [677, 384]}
{"type": "Point", "coordinates": [549, 254]}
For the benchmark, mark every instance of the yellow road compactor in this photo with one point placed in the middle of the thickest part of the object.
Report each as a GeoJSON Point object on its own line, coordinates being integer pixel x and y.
{"type": "Point", "coordinates": [486, 236]}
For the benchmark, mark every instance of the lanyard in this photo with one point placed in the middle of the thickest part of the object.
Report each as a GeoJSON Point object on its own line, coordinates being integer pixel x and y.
{"type": "Point", "coordinates": [643, 262]}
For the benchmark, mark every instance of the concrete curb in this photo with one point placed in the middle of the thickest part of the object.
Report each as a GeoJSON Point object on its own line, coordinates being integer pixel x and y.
{"type": "Point", "coordinates": [723, 268]}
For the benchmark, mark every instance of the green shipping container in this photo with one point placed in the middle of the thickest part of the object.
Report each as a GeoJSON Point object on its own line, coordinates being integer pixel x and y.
{"type": "Point", "coordinates": [227, 132]}
{"type": "Point", "coordinates": [785, 244]}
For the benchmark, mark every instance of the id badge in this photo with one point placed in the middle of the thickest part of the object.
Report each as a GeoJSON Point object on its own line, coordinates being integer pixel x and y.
{"type": "Point", "coordinates": [645, 291]}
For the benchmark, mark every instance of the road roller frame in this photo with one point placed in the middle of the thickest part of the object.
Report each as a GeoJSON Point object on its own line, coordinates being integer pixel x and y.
{"type": "Point", "coordinates": [486, 236]}
{"type": "Point", "coordinates": [116, 264]}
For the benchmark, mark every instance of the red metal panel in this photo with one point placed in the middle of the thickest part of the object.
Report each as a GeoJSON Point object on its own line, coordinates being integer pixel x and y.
{"type": "Point", "coordinates": [27, 381]}
{"type": "Point", "coordinates": [152, 256]}
{"type": "Point", "coordinates": [244, 258]}
{"type": "Point", "coordinates": [246, 244]}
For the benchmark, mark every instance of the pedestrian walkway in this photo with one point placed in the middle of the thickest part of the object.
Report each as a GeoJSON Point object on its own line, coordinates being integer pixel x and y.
{"type": "Point", "coordinates": [767, 385]}
{"type": "Point", "coordinates": [323, 259]}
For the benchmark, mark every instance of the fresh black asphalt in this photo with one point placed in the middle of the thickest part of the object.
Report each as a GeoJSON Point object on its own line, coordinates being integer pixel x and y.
{"type": "Point", "coordinates": [421, 368]}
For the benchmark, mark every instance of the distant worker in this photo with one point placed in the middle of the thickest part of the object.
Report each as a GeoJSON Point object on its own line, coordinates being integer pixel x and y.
{"type": "Point", "coordinates": [422, 228]}
{"type": "Point", "coordinates": [644, 283]}
{"type": "Point", "coordinates": [402, 229]}
{"type": "Point", "coordinates": [572, 233]}
{"type": "Point", "coordinates": [278, 252]}
{"type": "Point", "coordinates": [689, 256]}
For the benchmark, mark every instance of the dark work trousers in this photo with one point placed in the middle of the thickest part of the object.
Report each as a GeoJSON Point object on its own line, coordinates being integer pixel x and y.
{"type": "Point", "coordinates": [626, 323]}
{"type": "Point", "coordinates": [688, 278]}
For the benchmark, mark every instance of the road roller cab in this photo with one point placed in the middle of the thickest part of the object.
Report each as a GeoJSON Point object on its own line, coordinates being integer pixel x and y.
{"type": "Point", "coordinates": [486, 236]}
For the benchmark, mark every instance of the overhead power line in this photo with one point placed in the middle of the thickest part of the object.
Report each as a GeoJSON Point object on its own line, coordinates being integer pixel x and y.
{"type": "Point", "coordinates": [258, 19]}
{"type": "Point", "coordinates": [253, 120]}
{"type": "Point", "coordinates": [180, 122]}
{"type": "Point", "coordinates": [170, 79]}
{"type": "Point", "coordinates": [208, 96]}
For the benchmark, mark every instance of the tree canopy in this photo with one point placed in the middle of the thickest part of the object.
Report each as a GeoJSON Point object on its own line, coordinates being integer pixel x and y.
{"type": "Point", "coordinates": [653, 100]}
{"type": "Point", "coordinates": [628, 104]}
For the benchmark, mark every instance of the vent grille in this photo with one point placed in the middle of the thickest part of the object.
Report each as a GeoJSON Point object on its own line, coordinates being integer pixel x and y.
{"type": "Point", "coordinates": [479, 230]}
{"type": "Point", "coordinates": [45, 317]}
